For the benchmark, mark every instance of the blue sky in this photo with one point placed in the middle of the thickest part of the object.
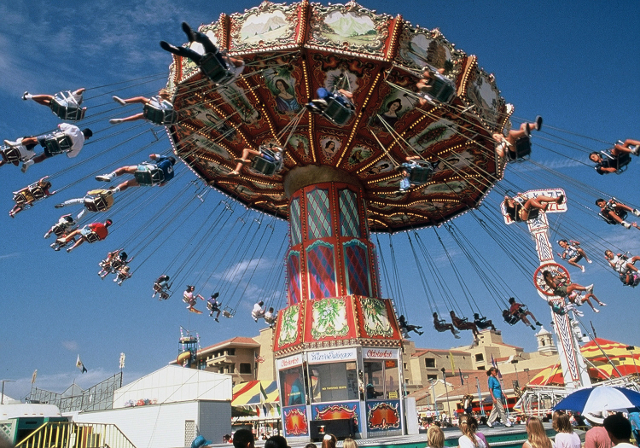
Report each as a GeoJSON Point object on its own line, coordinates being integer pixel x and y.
{"type": "Point", "coordinates": [577, 67]}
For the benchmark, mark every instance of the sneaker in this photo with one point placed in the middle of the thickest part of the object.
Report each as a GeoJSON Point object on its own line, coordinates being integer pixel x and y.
{"type": "Point", "coordinates": [538, 324]}
{"type": "Point", "coordinates": [313, 108]}
{"type": "Point", "coordinates": [590, 289]}
{"type": "Point", "coordinates": [104, 178]}
{"type": "Point", "coordinates": [117, 99]}
{"type": "Point", "coordinates": [58, 205]}
{"type": "Point", "coordinates": [489, 424]}
{"type": "Point", "coordinates": [636, 212]}
{"type": "Point", "coordinates": [188, 31]}
{"type": "Point", "coordinates": [508, 424]}
{"type": "Point", "coordinates": [68, 250]}
{"type": "Point", "coordinates": [582, 268]}
{"type": "Point", "coordinates": [603, 304]}
{"type": "Point", "coordinates": [533, 327]}
{"type": "Point", "coordinates": [10, 143]}
{"type": "Point", "coordinates": [24, 96]}
{"type": "Point", "coordinates": [589, 261]}
{"type": "Point", "coordinates": [115, 121]}
{"type": "Point", "coordinates": [635, 149]}
{"type": "Point", "coordinates": [538, 123]}
{"type": "Point", "coordinates": [26, 165]}
{"type": "Point", "coordinates": [527, 130]}
{"type": "Point", "coordinates": [216, 319]}
{"type": "Point", "coordinates": [626, 225]}
{"type": "Point", "coordinates": [255, 320]}
{"type": "Point", "coordinates": [456, 336]}
{"type": "Point", "coordinates": [596, 311]}
{"type": "Point", "coordinates": [168, 47]}
{"type": "Point", "coordinates": [561, 199]}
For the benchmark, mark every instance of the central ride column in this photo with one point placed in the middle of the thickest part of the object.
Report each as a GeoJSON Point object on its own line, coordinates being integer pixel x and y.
{"type": "Point", "coordinates": [337, 344]}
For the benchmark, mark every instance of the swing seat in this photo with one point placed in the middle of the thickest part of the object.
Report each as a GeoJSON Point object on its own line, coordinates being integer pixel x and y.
{"type": "Point", "coordinates": [522, 150]}
{"type": "Point", "coordinates": [268, 162]}
{"type": "Point", "coordinates": [98, 203]}
{"type": "Point", "coordinates": [621, 160]}
{"type": "Point", "coordinates": [337, 112]}
{"type": "Point", "coordinates": [37, 192]}
{"type": "Point", "coordinates": [65, 106]}
{"type": "Point", "coordinates": [421, 174]}
{"type": "Point", "coordinates": [164, 115]}
{"type": "Point", "coordinates": [57, 143]}
{"type": "Point", "coordinates": [443, 90]}
{"type": "Point", "coordinates": [228, 312]}
{"type": "Point", "coordinates": [149, 175]}
{"type": "Point", "coordinates": [92, 237]}
{"type": "Point", "coordinates": [11, 154]}
{"type": "Point", "coordinates": [630, 279]}
{"type": "Point", "coordinates": [622, 214]}
{"type": "Point", "coordinates": [22, 198]}
{"type": "Point", "coordinates": [60, 230]}
{"type": "Point", "coordinates": [213, 69]}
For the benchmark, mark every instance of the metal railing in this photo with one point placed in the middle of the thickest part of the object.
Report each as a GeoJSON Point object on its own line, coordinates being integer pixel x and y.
{"type": "Point", "coordinates": [76, 435]}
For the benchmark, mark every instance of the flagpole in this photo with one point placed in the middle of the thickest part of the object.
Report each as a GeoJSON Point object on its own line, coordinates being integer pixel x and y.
{"type": "Point", "coordinates": [446, 391]}
{"type": "Point", "coordinates": [480, 397]}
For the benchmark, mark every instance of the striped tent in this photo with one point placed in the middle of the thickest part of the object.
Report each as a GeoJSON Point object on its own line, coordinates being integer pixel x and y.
{"type": "Point", "coordinates": [626, 361]}
{"type": "Point", "coordinates": [254, 393]}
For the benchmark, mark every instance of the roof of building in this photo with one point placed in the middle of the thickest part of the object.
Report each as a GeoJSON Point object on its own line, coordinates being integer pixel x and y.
{"type": "Point", "coordinates": [422, 351]}
{"type": "Point", "coordinates": [233, 342]}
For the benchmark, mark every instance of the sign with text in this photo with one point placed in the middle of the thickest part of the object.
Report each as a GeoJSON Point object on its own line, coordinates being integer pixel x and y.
{"type": "Point", "coordinates": [348, 354]}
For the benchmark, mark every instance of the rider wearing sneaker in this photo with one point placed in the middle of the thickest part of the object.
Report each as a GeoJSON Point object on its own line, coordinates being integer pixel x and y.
{"type": "Point", "coordinates": [162, 167]}
{"type": "Point", "coordinates": [73, 132]}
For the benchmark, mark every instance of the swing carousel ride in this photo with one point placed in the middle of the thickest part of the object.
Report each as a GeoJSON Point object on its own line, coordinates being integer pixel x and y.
{"type": "Point", "coordinates": [339, 177]}
{"type": "Point", "coordinates": [405, 140]}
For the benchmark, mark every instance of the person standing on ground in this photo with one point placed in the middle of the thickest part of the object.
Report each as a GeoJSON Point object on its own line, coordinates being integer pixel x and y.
{"type": "Point", "coordinates": [495, 389]}
{"type": "Point", "coordinates": [565, 437]}
{"type": "Point", "coordinates": [619, 429]}
{"type": "Point", "coordinates": [536, 435]}
{"type": "Point", "coordinates": [597, 436]}
{"type": "Point", "coordinates": [243, 438]}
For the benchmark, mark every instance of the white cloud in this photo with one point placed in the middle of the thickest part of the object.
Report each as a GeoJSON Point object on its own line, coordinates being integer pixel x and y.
{"type": "Point", "coordinates": [72, 346]}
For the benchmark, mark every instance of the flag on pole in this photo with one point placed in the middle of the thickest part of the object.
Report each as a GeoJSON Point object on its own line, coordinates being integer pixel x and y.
{"type": "Point", "coordinates": [34, 376]}
{"type": "Point", "coordinates": [122, 356]}
{"type": "Point", "coordinates": [461, 379]}
{"type": "Point", "coordinates": [80, 366]}
{"type": "Point", "coordinates": [495, 364]}
{"type": "Point", "coordinates": [259, 359]}
{"type": "Point", "coordinates": [453, 365]}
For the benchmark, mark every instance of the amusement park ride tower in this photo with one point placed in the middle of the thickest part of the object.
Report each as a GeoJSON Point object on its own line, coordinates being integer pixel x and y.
{"type": "Point", "coordinates": [338, 344]}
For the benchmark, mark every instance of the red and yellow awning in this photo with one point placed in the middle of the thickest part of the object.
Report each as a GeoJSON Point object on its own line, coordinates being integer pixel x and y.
{"type": "Point", "coordinates": [626, 362]}
{"type": "Point", "coordinates": [255, 393]}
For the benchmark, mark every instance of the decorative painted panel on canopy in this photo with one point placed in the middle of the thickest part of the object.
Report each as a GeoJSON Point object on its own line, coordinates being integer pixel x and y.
{"type": "Point", "coordinates": [289, 52]}
{"type": "Point", "coordinates": [331, 322]}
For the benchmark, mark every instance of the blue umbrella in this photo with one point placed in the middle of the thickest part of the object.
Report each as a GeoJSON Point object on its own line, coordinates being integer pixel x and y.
{"type": "Point", "coordinates": [600, 398]}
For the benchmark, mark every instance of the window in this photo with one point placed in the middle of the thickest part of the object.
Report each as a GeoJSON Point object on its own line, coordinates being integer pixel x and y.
{"type": "Point", "coordinates": [381, 378]}
{"type": "Point", "coordinates": [245, 367]}
{"type": "Point", "coordinates": [231, 352]}
{"type": "Point", "coordinates": [479, 357]}
{"type": "Point", "coordinates": [432, 377]}
{"type": "Point", "coordinates": [334, 382]}
{"type": "Point", "coordinates": [429, 362]}
{"type": "Point", "coordinates": [291, 386]}
{"type": "Point", "coordinates": [480, 367]}
{"type": "Point", "coordinates": [405, 366]}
